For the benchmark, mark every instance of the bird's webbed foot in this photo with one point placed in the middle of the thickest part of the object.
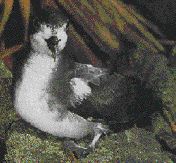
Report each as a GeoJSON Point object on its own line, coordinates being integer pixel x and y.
{"type": "Point", "coordinates": [81, 152]}
{"type": "Point", "coordinates": [78, 151]}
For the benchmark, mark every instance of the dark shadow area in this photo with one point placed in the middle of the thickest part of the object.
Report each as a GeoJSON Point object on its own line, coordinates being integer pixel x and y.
{"type": "Point", "coordinates": [167, 141]}
{"type": "Point", "coordinates": [3, 150]}
{"type": "Point", "coordinates": [14, 30]}
{"type": "Point", "coordinates": [161, 12]}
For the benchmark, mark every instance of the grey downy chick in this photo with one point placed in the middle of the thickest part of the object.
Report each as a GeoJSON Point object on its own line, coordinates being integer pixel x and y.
{"type": "Point", "coordinates": [33, 100]}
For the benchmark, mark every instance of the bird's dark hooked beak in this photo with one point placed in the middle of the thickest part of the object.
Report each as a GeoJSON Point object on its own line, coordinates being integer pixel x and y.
{"type": "Point", "coordinates": [52, 44]}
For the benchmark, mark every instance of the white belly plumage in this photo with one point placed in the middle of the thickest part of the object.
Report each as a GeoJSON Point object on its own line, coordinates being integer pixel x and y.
{"type": "Point", "coordinates": [31, 101]}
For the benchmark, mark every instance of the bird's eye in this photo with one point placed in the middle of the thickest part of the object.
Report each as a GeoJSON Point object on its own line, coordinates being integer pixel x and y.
{"type": "Point", "coordinates": [67, 25]}
{"type": "Point", "coordinates": [59, 40]}
{"type": "Point", "coordinates": [47, 25]}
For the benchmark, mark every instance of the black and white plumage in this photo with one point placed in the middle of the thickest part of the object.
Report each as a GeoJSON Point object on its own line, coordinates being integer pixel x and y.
{"type": "Point", "coordinates": [57, 95]}
{"type": "Point", "coordinates": [34, 100]}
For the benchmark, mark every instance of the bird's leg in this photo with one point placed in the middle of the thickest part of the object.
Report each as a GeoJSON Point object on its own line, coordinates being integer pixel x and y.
{"type": "Point", "coordinates": [94, 141]}
{"type": "Point", "coordinates": [99, 129]}
{"type": "Point", "coordinates": [81, 152]}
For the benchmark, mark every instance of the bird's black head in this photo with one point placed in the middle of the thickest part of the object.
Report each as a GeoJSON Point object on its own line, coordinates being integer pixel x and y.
{"type": "Point", "coordinates": [51, 27]}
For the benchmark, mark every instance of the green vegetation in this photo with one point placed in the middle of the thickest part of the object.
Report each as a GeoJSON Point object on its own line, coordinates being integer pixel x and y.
{"type": "Point", "coordinates": [4, 72]}
{"type": "Point", "coordinates": [24, 142]}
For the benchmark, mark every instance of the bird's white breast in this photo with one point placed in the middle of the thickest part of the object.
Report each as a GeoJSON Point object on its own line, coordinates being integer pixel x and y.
{"type": "Point", "coordinates": [32, 92]}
